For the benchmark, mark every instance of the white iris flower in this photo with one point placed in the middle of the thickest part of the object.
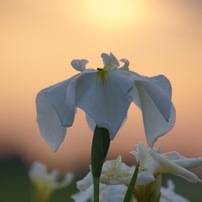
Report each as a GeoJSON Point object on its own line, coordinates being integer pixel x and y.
{"type": "Point", "coordinates": [167, 163]}
{"type": "Point", "coordinates": [115, 172]}
{"type": "Point", "coordinates": [116, 176]}
{"type": "Point", "coordinates": [168, 194]}
{"type": "Point", "coordinates": [105, 96]}
{"type": "Point", "coordinates": [45, 183]}
{"type": "Point", "coordinates": [116, 193]}
{"type": "Point", "coordinates": [158, 164]}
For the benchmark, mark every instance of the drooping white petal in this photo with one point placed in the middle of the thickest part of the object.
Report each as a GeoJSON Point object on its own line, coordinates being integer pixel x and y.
{"type": "Point", "coordinates": [153, 96]}
{"type": "Point", "coordinates": [163, 83]}
{"type": "Point", "coordinates": [168, 163]}
{"type": "Point", "coordinates": [156, 90]}
{"type": "Point", "coordinates": [103, 95]}
{"type": "Point", "coordinates": [79, 65]}
{"type": "Point", "coordinates": [110, 61]}
{"type": "Point", "coordinates": [154, 122]}
{"type": "Point", "coordinates": [183, 161]}
{"type": "Point", "coordinates": [160, 82]}
{"type": "Point", "coordinates": [160, 165]}
{"type": "Point", "coordinates": [53, 113]}
{"type": "Point", "coordinates": [56, 94]}
{"type": "Point", "coordinates": [49, 123]}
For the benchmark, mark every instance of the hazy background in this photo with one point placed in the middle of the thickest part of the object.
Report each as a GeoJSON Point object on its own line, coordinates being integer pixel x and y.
{"type": "Point", "coordinates": [38, 40]}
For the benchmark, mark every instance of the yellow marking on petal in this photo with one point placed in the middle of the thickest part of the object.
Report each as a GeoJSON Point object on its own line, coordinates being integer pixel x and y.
{"type": "Point", "coordinates": [101, 74]}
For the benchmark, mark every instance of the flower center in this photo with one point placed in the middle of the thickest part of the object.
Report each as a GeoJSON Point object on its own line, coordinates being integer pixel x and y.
{"type": "Point", "coordinates": [101, 74]}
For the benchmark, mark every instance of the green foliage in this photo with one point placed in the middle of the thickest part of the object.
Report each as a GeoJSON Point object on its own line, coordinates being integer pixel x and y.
{"type": "Point", "coordinates": [131, 187]}
{"type": "Point", "coordinates": [100, 146]}
{"type": "Point", "coordinates": [14, 183]}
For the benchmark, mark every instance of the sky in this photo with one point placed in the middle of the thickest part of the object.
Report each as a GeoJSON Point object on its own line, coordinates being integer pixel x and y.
{"type": "Point", "coordinates": [38, 40]}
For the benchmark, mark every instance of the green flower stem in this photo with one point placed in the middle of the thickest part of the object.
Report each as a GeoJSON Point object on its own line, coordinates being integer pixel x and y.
{"type": "Point", "coordinates": [100, 146]}
{"type": "Point", "coordinates": [40, 197]}
{"type": "Point", "coordinates": [96, 185]}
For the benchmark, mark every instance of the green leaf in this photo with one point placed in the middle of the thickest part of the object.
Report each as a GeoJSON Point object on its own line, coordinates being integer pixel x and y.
{"type": "Point", "coordinates": [100, 146]}
{"type": "Point", "coordinates": [131, 186]}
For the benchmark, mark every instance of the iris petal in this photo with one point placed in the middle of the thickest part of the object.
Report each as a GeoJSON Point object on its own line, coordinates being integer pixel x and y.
{"type": "Point", "coordinates": [92, 123]}
{"type": "Point", "coordinates": [49, 123]}
{"type": "Point", "coordinates": [183, 161]}
{"type": "Point", "coordinates": [160, 165]}
{"type": "Point", "coordinates": [154, 123]}
{"type": "Point", "coordinates": [153, 96]}
{"type": "Point", "coordinates": [168, 163]}
{"type": "Point", "coordinates": [105, 96]}
{"type": "Point", "coordinates": [79, 65]}
{"type": "Point", "coordinates": [110, 61]}
{"type": "Point", "coordinates": [160, 91]}
{"type": "Point", "coordinates": [107, 104]}
{"type": "Point", "coordinates": [126, 64]}
{"type": "Point", "coordinates": [52, 113]}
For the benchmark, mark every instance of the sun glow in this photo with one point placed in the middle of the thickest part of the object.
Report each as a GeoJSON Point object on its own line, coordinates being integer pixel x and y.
{"type": "Point", "coordinates": [112, 12]}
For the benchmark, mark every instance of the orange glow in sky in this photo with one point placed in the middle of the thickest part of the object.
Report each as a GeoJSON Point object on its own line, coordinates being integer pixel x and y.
{"type": "Point", "coordinates": [38, 40]}
{"type": "Point", "coordinates": [111, 14]}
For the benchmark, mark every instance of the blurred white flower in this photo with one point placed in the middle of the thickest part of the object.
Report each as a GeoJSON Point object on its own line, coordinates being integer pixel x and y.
{"type": "Point", "coordinates": [86, 195]}
{"type": "Point", "coordinates": [167, 163]}
{"type": "Point", "coordinates": [105, 95]}
{"type": "Point", "coordinates": [168, 194]}
{"type": "Point", "coordinates": [116, 193]}
{"type": "Point", "coordinates": [116, 176]}
{"type": "Point", "coordinates": [113, 172]}
{"type": "Point", "coordinates": [158, 164]}
{"type": "Point", "coordinates": [45, 183]}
